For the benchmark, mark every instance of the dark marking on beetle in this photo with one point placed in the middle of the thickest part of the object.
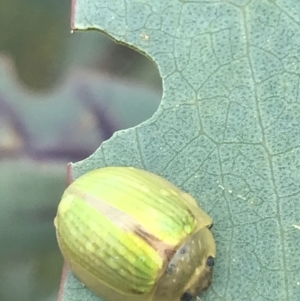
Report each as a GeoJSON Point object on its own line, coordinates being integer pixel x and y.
{"type": "Point", "coordinates": [183, 250]}
{"type": "Point", "coordinates": [170, 268]}
{"type": "Point", "coordinates": [186, 296]}
{"type": "Point", "coordinates": [146, 236]}
{"type": "Point", "coordinates": [164, 249]}
{"type": "Point", "coordinates": [190, 212]}
{"type": "Point", "coordinates": [170, 253]}
{"type": "Point", "coordinates": [210, 261]}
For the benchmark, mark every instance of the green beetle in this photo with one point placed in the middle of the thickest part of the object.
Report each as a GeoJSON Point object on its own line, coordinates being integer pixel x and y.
{"type": "Point", "coordinates": [131, 235]}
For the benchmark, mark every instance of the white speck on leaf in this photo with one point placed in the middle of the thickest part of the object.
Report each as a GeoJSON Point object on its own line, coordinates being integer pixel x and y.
{"type": "Point", "coordinates": [296, 226]}
{"type": "Point", "coordinates": [145, 36]}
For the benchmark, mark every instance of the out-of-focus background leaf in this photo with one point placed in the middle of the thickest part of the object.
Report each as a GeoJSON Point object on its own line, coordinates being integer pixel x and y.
{"type": "Point", "coordinates": [61, 95]}
{"type": "Point", "coordinates": [37, 35]}
{"type": "Point", "coordinates": [227, 130]}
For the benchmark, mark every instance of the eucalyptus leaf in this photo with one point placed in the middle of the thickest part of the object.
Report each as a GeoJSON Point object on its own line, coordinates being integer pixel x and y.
{"type": "Point", "coordinates": [227, 130]}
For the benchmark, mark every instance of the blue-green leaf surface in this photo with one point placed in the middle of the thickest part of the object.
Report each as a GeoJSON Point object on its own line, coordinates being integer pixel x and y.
{"type": "Point", "coordinates": [227, 130]}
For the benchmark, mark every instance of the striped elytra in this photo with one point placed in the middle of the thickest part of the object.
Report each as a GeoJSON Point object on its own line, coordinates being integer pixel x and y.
{"type": "Point", "coordinates": [131, 235]}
